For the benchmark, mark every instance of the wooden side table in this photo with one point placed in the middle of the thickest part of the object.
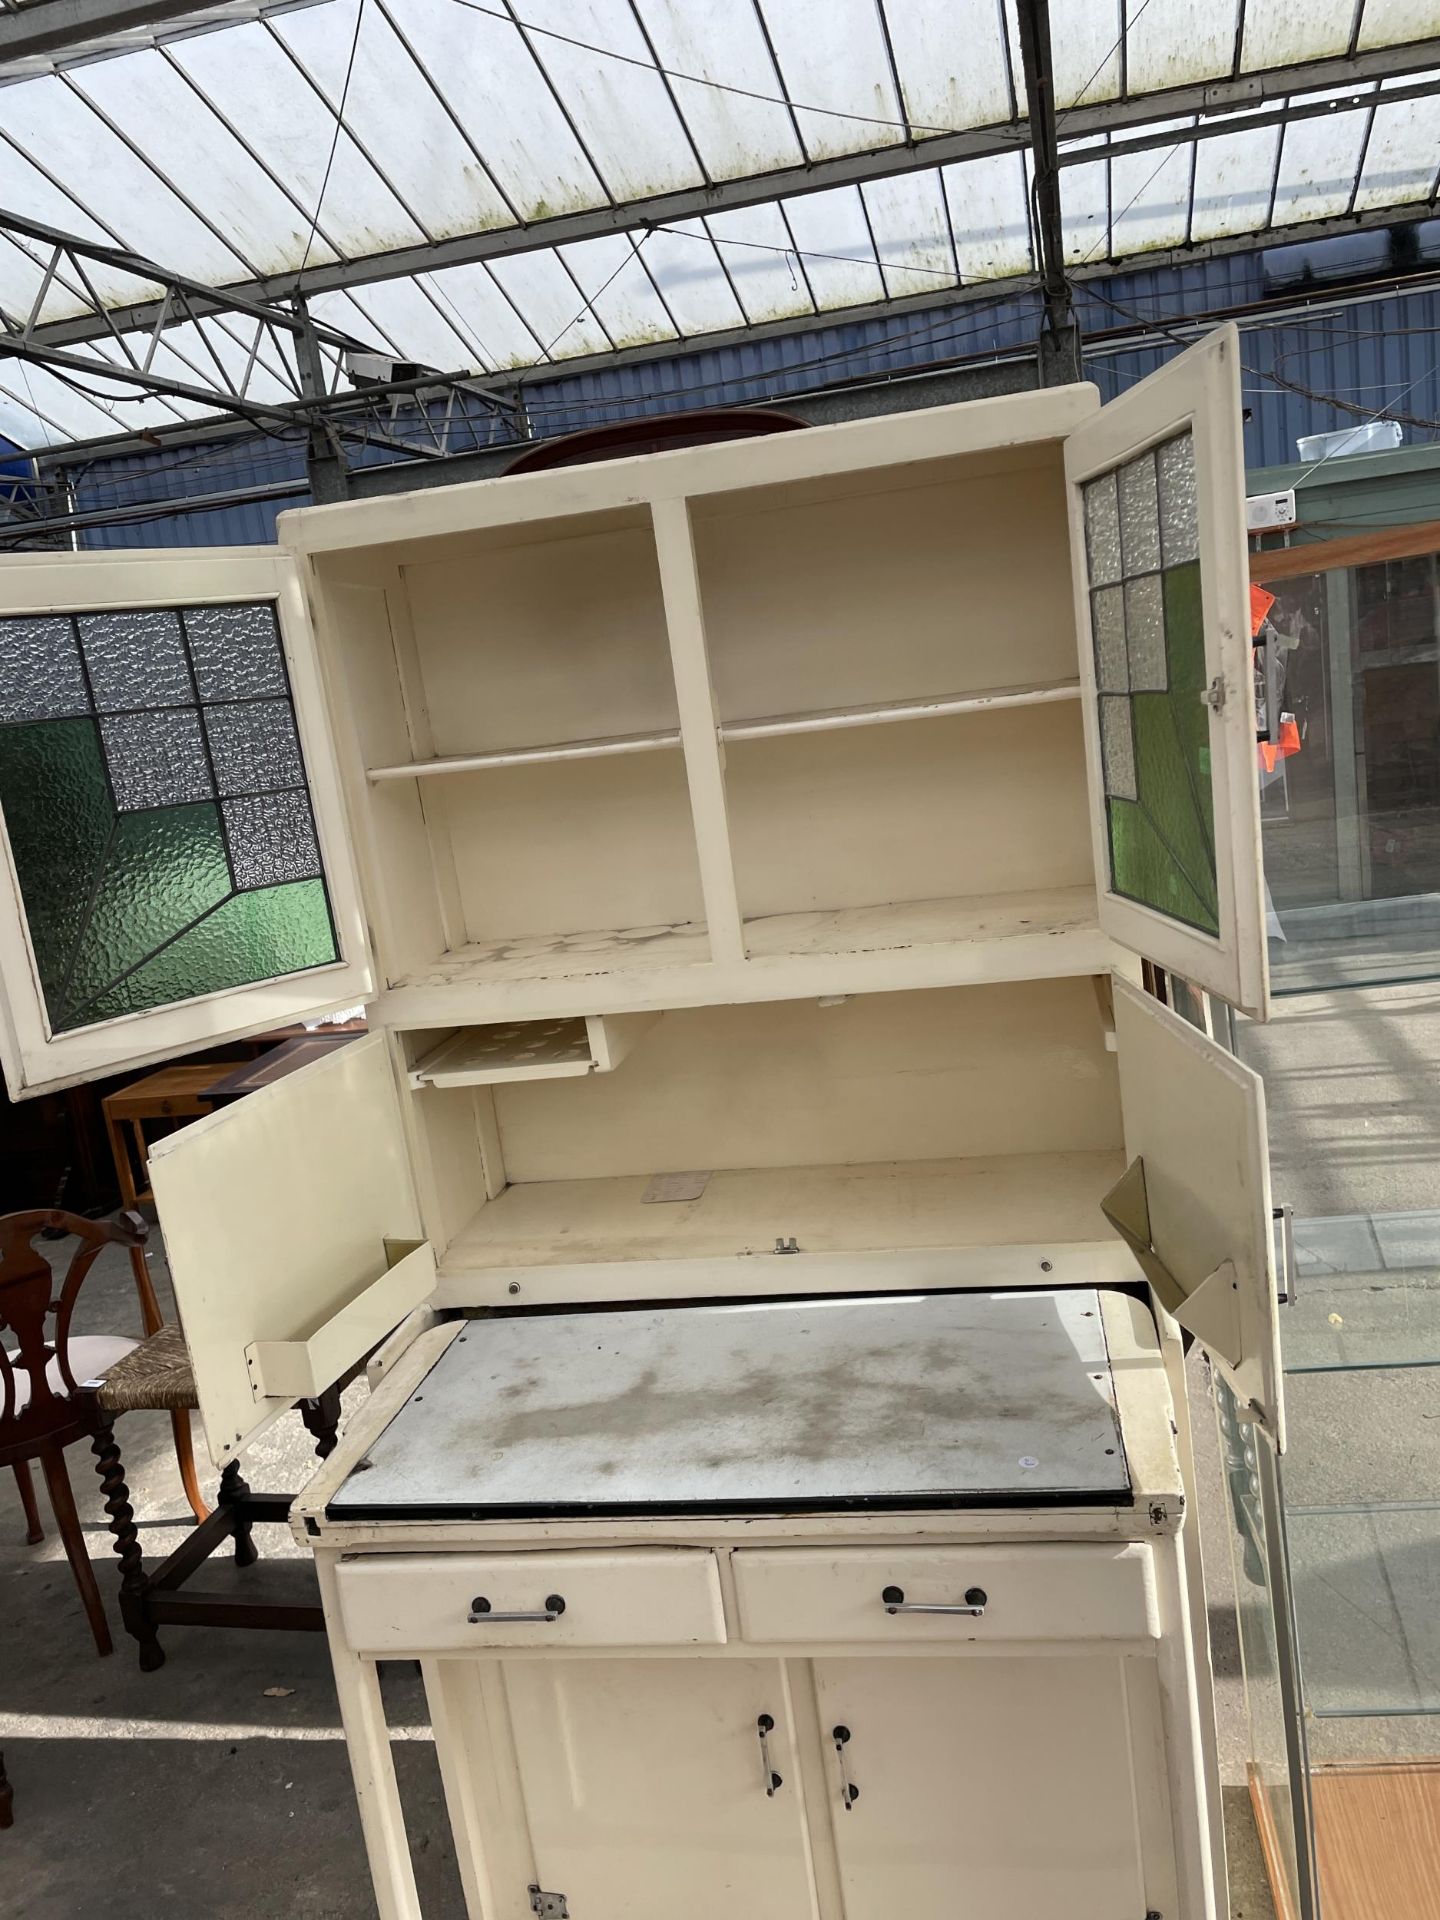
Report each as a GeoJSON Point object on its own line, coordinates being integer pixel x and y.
{"type": "Point", "coordinates": [171, 1093]}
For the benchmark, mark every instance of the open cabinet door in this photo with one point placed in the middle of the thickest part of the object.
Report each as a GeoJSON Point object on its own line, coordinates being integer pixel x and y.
{"type": "Point", "coordinates": [293, 1237]}
{"type": "Point", "coordinates": [1157, 507]}
{"type": "Point", "coordinates": [175, 868]}
{"type": "Point", "coordinates": [1194, 1204]}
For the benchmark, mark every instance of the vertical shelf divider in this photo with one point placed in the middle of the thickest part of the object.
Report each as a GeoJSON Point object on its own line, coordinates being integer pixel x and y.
{"type": "Point", "coordinates": [699, 725]}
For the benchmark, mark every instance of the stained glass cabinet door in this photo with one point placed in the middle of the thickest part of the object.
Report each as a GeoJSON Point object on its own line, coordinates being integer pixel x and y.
{"type": "Point", "coordinates": [175, 868]}
{"type": "Point", "coordinates": [1157, 485]}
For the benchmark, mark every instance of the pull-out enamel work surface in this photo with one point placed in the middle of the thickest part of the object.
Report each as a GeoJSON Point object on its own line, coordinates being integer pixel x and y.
{"type": "Point", "coordinates": [938, 1400]}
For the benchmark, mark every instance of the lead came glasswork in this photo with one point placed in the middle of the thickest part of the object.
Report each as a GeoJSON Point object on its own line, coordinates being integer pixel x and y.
{"type": "Point", "coordinates": [271, 838]}
{"type": "Point", "coordinates": [1139, 515]}
{"type": "Point", "coordinates": [254, 746]}
{"type": "Point", "coordinates": [136, 659]}
{"type": "Point", "coordinates": [1179, 508]}
{"type": "Point", "coordinates": [1102, 530]}
{"type": "Point", "coordinates": [40, 676]}
{"type": "Point", "coordinates": [164, 845]}
{"type": "Point", "coordinates": [1154, 724]}
{"type": "Point", "coordinates": [1145, 635]}
{"type": "Point", "coordinates": [156, 759]}
{"type": "Point", "coordinates": [236, 652]}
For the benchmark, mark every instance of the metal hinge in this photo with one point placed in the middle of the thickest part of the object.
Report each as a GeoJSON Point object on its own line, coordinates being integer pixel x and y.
{"type": "Point", "coordinates": [787, 1245]}
{"type": "Point", "coordinates": [1215, 693]}
{"type": "Point", "coordinates": [551, 1906]}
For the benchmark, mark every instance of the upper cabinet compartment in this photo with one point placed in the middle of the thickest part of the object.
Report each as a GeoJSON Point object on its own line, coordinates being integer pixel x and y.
{"type": "Point", "coordinates": [737, 722]}
{"type": "Point", "coordinates": [894, 667]}
{"type": "Point", "coordinates": [177, 868]}
{"type": "Point", "coordinates": [1158, 537]}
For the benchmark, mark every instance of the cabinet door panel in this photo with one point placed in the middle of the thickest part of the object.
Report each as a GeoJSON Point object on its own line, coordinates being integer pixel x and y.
{"type": "Point", "coordinates": [175, 866]}
{"type": "Point", "coordinates": [1195, 1121]}
{"type": "Point", "coordinates": [985, 1786]}
{"type": "Point", "coordinates": [645, 1788]}
{"type": "Point", "coordinates": [275, 1213]}
{"type": "Point", "coordinates": [1162, 612]}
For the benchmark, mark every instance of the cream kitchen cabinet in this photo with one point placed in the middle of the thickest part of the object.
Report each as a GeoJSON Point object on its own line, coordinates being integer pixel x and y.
{"type": "Point", "coordinates": [746, 855]}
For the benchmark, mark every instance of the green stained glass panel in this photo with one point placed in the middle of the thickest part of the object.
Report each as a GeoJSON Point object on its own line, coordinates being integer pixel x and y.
{"type": "Point", "coordinates": [59, 818]}
{"type": "Point", "coordinates": [163, 869]}
{"type": "Point", "coordinates": [140, 886]}
{"type": "Point", "coordinates": [252, 936]}
{"type": "Point", "coordinates": [1162, 843]}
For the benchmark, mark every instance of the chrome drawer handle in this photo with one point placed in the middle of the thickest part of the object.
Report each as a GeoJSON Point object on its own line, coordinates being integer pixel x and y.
{"type": "Point", "coordinates": [765, 1726]}
{"type": "Point", "coordinates": [483, 1614]}
{"type": "Point", "coordinates": [976, 1599]}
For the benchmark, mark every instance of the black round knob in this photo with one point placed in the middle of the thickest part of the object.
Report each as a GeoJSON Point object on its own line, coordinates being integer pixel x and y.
{"type": "Point", "coordinates": [765, 1723]}
{"type": "Point", "coordinates": [555, 1603]}
{"type": "Point", "coordinates": [893, 1596]}
{"type": "Point", "coordinates": [976, 1597]}
{"type": "Point", "coordinates": [840, 1735]}
{"type": "Point", "coordinates": [479, 1604]}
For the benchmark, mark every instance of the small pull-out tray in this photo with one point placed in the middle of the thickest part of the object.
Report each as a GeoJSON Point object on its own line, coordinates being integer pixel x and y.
{"type": "Point", "coordinates": [899, 1401]}
{"type": "Point", "coordinates": [531, 1050]}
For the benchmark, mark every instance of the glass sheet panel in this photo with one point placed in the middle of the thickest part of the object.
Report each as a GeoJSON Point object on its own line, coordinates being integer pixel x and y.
{"type": "Point", "coordinates": [136, 659]}
{"type": "Point", "coordinates": [1145, 634]}
{"type": "Point", "coordinates": [137, 881]}
{"type": "Point", "coordinates": [236, 651]}
{"type": "Point", "coordinates": [1112, 666]}
{"type": "Point", "coordinates": [1149, 647]}
{"type": "Point", "coordinates": [254, 747]}
{"type": "Point", "coordinates": [249, 937]}
{"type": "Point", "coordinates": [162, 869]}
{"type": "Point", "coordinates": [1179, 507]}
{"type": "Point", "coordinates": [1139, 515]}
{"type": "Point", "coordinates": [1102, 530]}
{"type": "Point", "coordinates": [1117, 742]}
{"type": "Point", "coordinates": [156, 759]}
{"type": "Point", "coordinates": [271, 839]}
{"type": "Point", "coordinates": [40, 676]}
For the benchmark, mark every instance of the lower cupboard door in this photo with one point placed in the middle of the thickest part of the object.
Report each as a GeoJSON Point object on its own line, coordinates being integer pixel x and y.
{"type": "Point", "coordinates": [983, 1789]}
{"type": "Point", "coordinates": [645, 1786]}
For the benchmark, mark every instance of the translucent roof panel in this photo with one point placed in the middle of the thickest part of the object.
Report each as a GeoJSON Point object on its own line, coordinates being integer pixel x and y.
{"type": "Point", "coordinates": [480, 185]}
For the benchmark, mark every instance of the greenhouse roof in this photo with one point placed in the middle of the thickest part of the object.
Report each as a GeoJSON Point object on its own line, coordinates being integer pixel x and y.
{"type": "Point", "coordinates": [481, 186]}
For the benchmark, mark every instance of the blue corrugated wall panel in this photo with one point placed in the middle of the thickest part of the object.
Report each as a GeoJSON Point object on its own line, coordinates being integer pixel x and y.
{"type": "Point", "coordinates": [1379, 353]}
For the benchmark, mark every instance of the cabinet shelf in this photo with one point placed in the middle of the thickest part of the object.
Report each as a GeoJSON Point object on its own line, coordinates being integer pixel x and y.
{"type": "Point", "coordinates": [1043, 934]}
{"type": "Point", "coordinates": [1014, 1198]}
{"type": "Point", "coordinates": [880, 713]}
{"type": "Point", "coordinates": [762, 727]}
{"type": "Point", "coordinates": [606, 748]}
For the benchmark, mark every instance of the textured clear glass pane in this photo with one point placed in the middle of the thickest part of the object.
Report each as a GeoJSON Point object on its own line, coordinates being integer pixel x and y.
{"type": "Point", "coordinates": [236, 651]}
{"type": "Point", "coordinates": [1179, 505]}
{"type": "Point", "coordinates": [1107, 617]}
{"type": "Point", "coordinates": [1145, 634]}
{"type": "Point", "coordinates": [250, 937]}
{"type": "Point", "coordinates": [254, 747]}
{"type": "Point", "coordinates": [1139, 515]}
{"type": "Point", "coordinates": [161, 871]}
{"type": "Point", "coordinates": [1162, 845]}
{"type": "Point", "coordinates": [40, 677]}
{"type": "Point", "coordinates": [136, 659]}
{"type": "Point", "coordinates": [271, 839]}
{"type": "Point", "coordinates": [156, 759]}
{"type": "Point", "coordinates": [1117, 745]}
{"type": "Point", "coordinates": [1102, 530]}
{"type": "Point", "coordinates": [59, 818]}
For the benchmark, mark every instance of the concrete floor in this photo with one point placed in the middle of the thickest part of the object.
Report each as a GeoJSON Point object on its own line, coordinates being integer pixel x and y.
{"type": "Point", "coordinates": [193, 1791]}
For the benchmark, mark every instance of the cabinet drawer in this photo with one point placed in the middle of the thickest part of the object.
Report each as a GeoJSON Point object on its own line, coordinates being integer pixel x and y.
{"type": "Point", "coordinates": [1016, 1593]}
{"type": "Point", "coordinates": [452, 1603]}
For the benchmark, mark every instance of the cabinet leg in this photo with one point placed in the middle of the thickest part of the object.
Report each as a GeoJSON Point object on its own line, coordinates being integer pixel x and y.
{"type": "Point", "coordinates": [133, 1592]}
{"type": "Point", "coordinates": [231, 1498]}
